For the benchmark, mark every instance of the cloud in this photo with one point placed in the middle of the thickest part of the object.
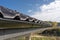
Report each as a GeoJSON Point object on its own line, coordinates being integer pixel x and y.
{"type": "Point", "coordinates": [50, 12]}
{"type": "Point", "coordinates": [29, 11]}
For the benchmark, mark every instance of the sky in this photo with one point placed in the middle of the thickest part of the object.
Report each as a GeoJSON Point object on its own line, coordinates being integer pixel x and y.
{"type": "Point", "coordinates": [46, 10]}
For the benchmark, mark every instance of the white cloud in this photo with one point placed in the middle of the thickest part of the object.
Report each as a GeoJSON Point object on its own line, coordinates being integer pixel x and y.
{"type": "Point", "coordinates": [50, 12]}
{"type": "Point", "coordinates": [29, 11]}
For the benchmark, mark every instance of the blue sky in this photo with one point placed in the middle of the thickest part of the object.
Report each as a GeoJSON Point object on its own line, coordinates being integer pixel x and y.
{"type": "Point", "coordinates": [24, 5]}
